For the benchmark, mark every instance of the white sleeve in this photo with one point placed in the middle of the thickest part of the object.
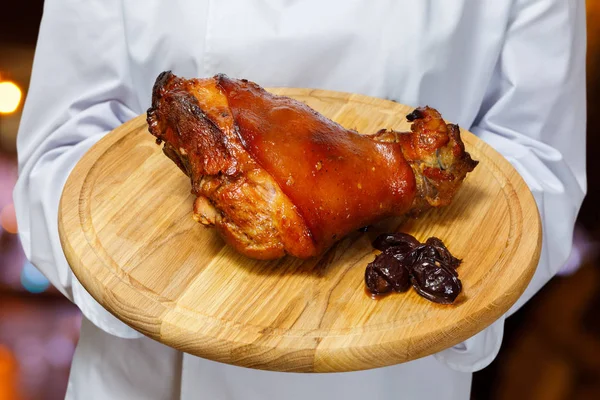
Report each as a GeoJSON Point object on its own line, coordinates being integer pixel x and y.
{"type": "Point", "coordinates": [534, 114]}
{"type": "Point", "coordinates": [80, 89]}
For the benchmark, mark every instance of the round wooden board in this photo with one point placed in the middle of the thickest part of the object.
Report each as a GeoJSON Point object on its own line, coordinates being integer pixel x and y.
{"type": "Point", "coordinates": [127, 232]}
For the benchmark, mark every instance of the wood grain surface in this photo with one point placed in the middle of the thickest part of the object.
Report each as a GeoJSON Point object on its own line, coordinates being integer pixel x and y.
{"type": "Point", "coordinates": [127, 231]}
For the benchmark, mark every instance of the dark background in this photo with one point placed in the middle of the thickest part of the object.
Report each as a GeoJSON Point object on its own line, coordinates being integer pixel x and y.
{"type": "Point", "coordinates": [551, 348]}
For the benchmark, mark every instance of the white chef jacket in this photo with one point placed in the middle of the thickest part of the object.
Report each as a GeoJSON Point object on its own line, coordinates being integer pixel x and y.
{"type": "Point", "coordinates": [511, 71]}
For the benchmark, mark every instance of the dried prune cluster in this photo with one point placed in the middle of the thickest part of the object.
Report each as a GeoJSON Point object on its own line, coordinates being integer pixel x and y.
{"type": "Point", "coordinates": [404, 262]}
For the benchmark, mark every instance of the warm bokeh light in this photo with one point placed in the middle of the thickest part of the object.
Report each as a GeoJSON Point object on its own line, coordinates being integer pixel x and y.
{"type": "Point", "coordinates": [8, 219]}
{"type": "Point", "coordinates": [8, 374]}
{"type": "Point", "coordinates": [10, 97]}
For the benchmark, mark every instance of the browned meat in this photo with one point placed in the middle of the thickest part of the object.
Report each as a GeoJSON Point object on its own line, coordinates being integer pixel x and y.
{"type": "Point", "coordinates": [275, 177]}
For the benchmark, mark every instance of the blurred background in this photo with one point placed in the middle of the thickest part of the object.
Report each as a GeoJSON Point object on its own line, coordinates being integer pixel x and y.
{"type": "Point", "coordinates": [551, 348]}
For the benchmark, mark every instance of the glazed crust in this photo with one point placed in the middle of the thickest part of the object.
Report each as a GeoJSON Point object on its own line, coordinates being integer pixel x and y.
{"type": "Point", "coordinates": [275, 177]}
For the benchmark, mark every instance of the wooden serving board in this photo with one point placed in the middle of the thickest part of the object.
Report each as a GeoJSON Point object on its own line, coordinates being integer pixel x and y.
{"type": "Point", "coordinates": [128, 234]}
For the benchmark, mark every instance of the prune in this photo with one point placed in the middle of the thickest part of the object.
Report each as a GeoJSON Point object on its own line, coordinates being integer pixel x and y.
{"type": "Point", "coordinates": [375, 281]}
{"type": "Point", "coordinates": [436, 282]}
{"type": "Point", "coordinates": [444, 254]}
{"type": "Point", "coordinates": [428, 267]}
{"type": "Point", "coordinates": [388, 268]}
{"type": "Point", "coordinates": [403, 241]}
{"type": "Point", "coordinates": [426, 252]}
